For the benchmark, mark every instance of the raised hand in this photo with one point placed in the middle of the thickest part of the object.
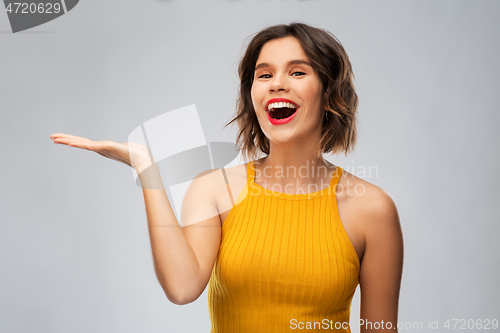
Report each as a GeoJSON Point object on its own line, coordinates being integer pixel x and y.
{"type": "Point", "coordinates": [132, 154]}
{"type": "Point", "coordinates": [183, 257]}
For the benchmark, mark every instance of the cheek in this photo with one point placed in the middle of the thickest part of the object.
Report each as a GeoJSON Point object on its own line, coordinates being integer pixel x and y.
{"type": "Point", "coordinates": [313, 95]}
{"type": "Point", "coordinates": [316, 93]}
{"type": "Point", "coordinates": [256, 95]}
{"type": "Point", "coordinates": [252, 95]}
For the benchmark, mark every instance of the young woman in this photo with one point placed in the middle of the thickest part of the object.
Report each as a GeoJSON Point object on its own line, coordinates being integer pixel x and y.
{"type": "Point", "coordinates": [288, 246]}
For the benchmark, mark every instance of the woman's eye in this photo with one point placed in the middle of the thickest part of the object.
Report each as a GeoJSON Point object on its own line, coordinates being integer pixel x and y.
{"type": "Point", "coordinates": [265, 76]}
{"type": "Point", "coordinates": [298, 73]}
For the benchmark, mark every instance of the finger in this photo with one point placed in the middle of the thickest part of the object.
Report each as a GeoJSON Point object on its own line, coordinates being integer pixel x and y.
{"type": "Point", "coordinates": [67, 141]}
{"type": "Point", "coordinates": [90, 145]}
{"type": "Point", "coordinates": [71, 140]}
{"type": "Point", "coordinates": [56, 135]}
{"type": "Point", "coordinates": [67, 136]}
{"type": "Point", "coordinates": [109, 149]}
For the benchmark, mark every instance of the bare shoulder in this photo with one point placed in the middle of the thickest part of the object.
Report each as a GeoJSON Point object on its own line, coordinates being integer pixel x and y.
{"type": "Point", "coordinates": [236, 173]}
{"type": "Point", "coordinates": [374, 215]}
{"type": "Point", "coordinates": [373, 209]}
{"type": "Point", "coordinates": [229, 182]}
{"type": "Point", "coordinates": [198, 203]}
{"type": "Point", "coordinates": [218, 188]}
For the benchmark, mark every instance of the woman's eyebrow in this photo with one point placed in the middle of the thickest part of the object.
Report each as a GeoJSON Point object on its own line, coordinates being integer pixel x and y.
{"type": "Point", "coordinates": [299, 62]}
{"type": "Point", "coordinates": [291, 62]}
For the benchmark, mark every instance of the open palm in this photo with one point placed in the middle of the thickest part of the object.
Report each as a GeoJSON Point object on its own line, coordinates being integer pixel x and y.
{"type": "Point", "coordinates": [132, 154]}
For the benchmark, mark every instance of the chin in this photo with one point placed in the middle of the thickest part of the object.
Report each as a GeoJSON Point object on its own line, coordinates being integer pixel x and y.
{"type": "Point", "coordinates": [281, 137]}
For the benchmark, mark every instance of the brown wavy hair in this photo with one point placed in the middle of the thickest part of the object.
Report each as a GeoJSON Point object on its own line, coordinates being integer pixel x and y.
{"type": "Point", "coordinates": [329, 59]}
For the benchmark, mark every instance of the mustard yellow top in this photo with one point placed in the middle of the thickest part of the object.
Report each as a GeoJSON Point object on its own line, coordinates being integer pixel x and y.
{"type": "Point", "coordinates": [285, 263]}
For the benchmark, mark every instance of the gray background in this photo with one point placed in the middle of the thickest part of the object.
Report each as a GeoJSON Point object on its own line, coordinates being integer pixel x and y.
{"type": "Point", "coordinates": [75, 253]}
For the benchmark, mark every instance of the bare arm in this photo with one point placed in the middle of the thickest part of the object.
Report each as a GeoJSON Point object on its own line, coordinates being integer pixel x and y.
{"type": "Point", "coordinates": [382, 265]}
{"type": "Point", "coordinates": [183, 257]}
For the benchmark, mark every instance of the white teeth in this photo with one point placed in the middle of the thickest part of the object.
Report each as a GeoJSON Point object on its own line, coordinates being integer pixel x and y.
{"type": "Point", "coordinates": [273, 106]}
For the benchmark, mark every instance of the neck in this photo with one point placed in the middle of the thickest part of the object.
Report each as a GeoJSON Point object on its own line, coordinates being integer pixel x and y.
{"type": "Point", "coordinates": [293, 163]}
{"type": "Point", "coordinates": [297, 153]}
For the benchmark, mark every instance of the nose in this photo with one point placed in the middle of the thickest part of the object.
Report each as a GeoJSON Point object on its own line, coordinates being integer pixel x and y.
{"type": "Point", "coordinates": [278, 83]}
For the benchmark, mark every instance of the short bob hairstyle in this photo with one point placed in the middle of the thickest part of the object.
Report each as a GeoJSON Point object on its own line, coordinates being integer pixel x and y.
{"type": "Point", "coordinates": [329, 59]}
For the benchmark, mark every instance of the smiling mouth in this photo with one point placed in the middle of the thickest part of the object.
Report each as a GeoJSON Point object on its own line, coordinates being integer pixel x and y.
{"type": "Point", "coordinates": [281, 110]}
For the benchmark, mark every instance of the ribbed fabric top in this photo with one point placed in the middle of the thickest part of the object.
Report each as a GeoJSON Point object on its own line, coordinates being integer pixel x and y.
{"type": "Point", "coordinates": [285, 261]}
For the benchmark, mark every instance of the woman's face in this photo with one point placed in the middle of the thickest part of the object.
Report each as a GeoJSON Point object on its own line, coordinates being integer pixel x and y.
{"type": "Point", "coordinates": [286, 86]}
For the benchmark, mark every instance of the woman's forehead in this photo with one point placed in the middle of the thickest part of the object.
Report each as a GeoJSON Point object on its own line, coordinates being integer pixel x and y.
{"type": "Point", "coordinates": [282, 51]}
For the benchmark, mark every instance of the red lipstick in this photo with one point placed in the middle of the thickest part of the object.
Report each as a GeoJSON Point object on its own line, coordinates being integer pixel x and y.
{"type": "Point", "coordinates": [283, 120]}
